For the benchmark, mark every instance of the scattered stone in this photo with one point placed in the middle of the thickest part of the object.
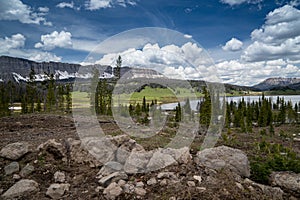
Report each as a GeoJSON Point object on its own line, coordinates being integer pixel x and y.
{"type": "Point", "coordinates": [287, 180]}
{"type": "Point", "coordinates": [128, 188]}
{"type": "Point", "coordinates": [201, 189]}
{"type": "Point", "coordinates": [11, 168]}
{"type": "Point", "coordinates": [296, 139]}
{"type": "Point", "coordinates": [198, 178]}
{"type": "Point", "coordinates": [14, 151]}
{"type": "Point", "coordinates": [120, 139]}
{"type": "Point", "coordinates": [112, 191]}
{"type": "Point", "coordinates": [140, 191]}
{"type": "Point", "coordinates": [99, 188]}
{"type": "Point", "coordinates": [28, 169]}
{"type": "Point", "coordinates": [239, 185]}
{"type": "Point", "coordinates": [191, 184]}
{"type": "Point", "coordinates": [114, 177]}
{"type": "Point", "coordinates": [163, 182]}
{"type": "Point", "coordinates": [1, 190]}
{"type": "Point", "coordinates": [56, 190]}
{"type": "Point", "coordinates": [225, 157]}
{"type": "Point", "coordinates": [59, 177]}
{"type": "Point", "coordinates": [21, 188]}
{"type": "Point", "coordinates": [16, 177]}
{"type": "Point", "coordinates": [169, 175]}
{"type": "Point", "coordinates": [121, 183]}
{"type": "Point", "coordinates": [152, 181]}
{"type": "Point", "coordinates": [139, 184]}
{"type": "Point", "coordinates": [172, 198]}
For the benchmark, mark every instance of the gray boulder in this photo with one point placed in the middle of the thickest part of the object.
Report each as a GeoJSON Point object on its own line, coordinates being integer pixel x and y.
{"type": "Point", "coordinates": [11, 168]}
{"type": "Point", "coordinates": [28, 169]}
{"type": "Point", "coordinates": [22, 187]}
{"type": "Point", "coordinates": [287, 180]}
{"type": "Point", "coordinates": [137, 161]}
{"type": "Point", "coordinates": [14, 151]}
{"type": "Point", "coordinates": [56, 190]}
{"type": "Point", "coordinates": [225, 157]}
{"type": "Point", "coordinates": [112, 191]}
{"type": "Point", "coordinates": [160, 160]}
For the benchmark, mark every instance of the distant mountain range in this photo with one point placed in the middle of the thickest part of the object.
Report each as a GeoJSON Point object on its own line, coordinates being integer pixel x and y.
{"type": "Point", "coordinates": [279, 84]}
{"type": "Point", "coordinates": [18, 69]}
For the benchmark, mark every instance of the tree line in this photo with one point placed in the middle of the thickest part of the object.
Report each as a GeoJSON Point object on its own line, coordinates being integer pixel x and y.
{"type": "Point", "coordinates": [35, 96]}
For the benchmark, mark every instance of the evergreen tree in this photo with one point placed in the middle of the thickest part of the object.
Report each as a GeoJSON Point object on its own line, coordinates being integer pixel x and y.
{"type": "Point", "coordinates": [68, 98]}
{"type": "Point", "coordinates": [187, 107]}
{"type": "Point", "coordinates": [118, 68]}
{"type": "Point", "coordinates": [205, 108]}
{"type": "Point", "coordinates": [178, 116]}
{"type": "Point", "coordinates": [51, 100]}
{"type": "Point", "coordinates": [31, 90]}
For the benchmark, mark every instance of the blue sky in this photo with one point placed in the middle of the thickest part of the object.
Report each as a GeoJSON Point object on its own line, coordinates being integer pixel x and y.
{"type": "Point", "coordinates": [249, 40]}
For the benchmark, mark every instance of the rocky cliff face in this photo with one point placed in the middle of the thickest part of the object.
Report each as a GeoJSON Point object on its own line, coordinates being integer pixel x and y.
{"type": "Point", "coordinates": [16, 69]}
{"type": "Point", "coordinates": [273, 83]}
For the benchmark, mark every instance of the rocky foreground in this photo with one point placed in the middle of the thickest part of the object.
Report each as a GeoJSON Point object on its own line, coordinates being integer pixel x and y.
{"type": "Point", "coordinates": [68, 169]}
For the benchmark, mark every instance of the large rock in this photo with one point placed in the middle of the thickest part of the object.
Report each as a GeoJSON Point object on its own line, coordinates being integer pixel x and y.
{"type": "Point", "coordinates": [182, 155]}
{"type": "Point", "coordinates": [112, 191]}
{"type": "Point", "coordinates": [287, 180]}
{"type": "Point", "coordinates": [102, 148]}
{"type": "Point", "coordinates": [80, 155]}
{"type": "Point", "coordinates": [56, 190]}
{"type": "Point", "coordinates": [28, 169]}
{"type": "Point", "coordinates": [14, 151]}
{"type": "Point", "coordinates": [11, 168]}
{"type": "Point", "coordinates": [109, 168]}
{"type": "Point", "coordinates": [225, 157]}
{"type": "Point", "coordinates": [274, 193]}
{"type": "Point", "coordinates": [160, 160]}
{"type": "Point", "coordinates": [53, 147]}
{"type": "Point", "coordinates": [21, 188]}
{"type": "Point", "coordinates": [137, 161]}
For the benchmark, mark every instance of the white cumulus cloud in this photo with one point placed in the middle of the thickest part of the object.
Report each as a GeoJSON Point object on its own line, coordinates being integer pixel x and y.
{"type": "Point", "coordinates": [55, 39]}
{"type": "Point", "coordinates": [98, 4]}
{"type": "Point", "coordinates": [173, 61]}
{"type": "Point", "coordinates": [238, 2]}
{"type": "Point", "coordinates": [15, 46]}
{"type": "Point", "coordinates": [14, 42]}
{"type": "Point", "coordinates": [233, 45]}
{"type": "Point", "coordinates": [67, 5]}
{"type": "Point", "coordinates": [17, 10]}
{"type": "Point", "coordinates": [278, 38]}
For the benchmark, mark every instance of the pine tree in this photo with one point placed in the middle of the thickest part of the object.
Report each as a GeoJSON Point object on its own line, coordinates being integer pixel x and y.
{"type": "Point", "coordinates": [118, 68]}
{"type": "Point", "coordinates": [205, 108]}
{"type": "Point", "coordinates": [51, 101]}
{"type": "Point", "coordinates": [144, 105]}
{"type": "Point", "coordinates": [178, 114]}
{"type": "Point", "coordinates": [68, 98]}
{"type": "Point", "coordinates": [31, 90]}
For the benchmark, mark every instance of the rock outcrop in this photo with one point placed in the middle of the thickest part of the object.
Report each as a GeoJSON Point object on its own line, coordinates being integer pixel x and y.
{"type": "Point", "coordinates": [224, 157]}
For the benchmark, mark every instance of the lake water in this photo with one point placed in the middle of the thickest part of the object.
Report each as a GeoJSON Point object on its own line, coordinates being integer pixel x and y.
{"type": "Point", "coordinates": [293, 98]}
